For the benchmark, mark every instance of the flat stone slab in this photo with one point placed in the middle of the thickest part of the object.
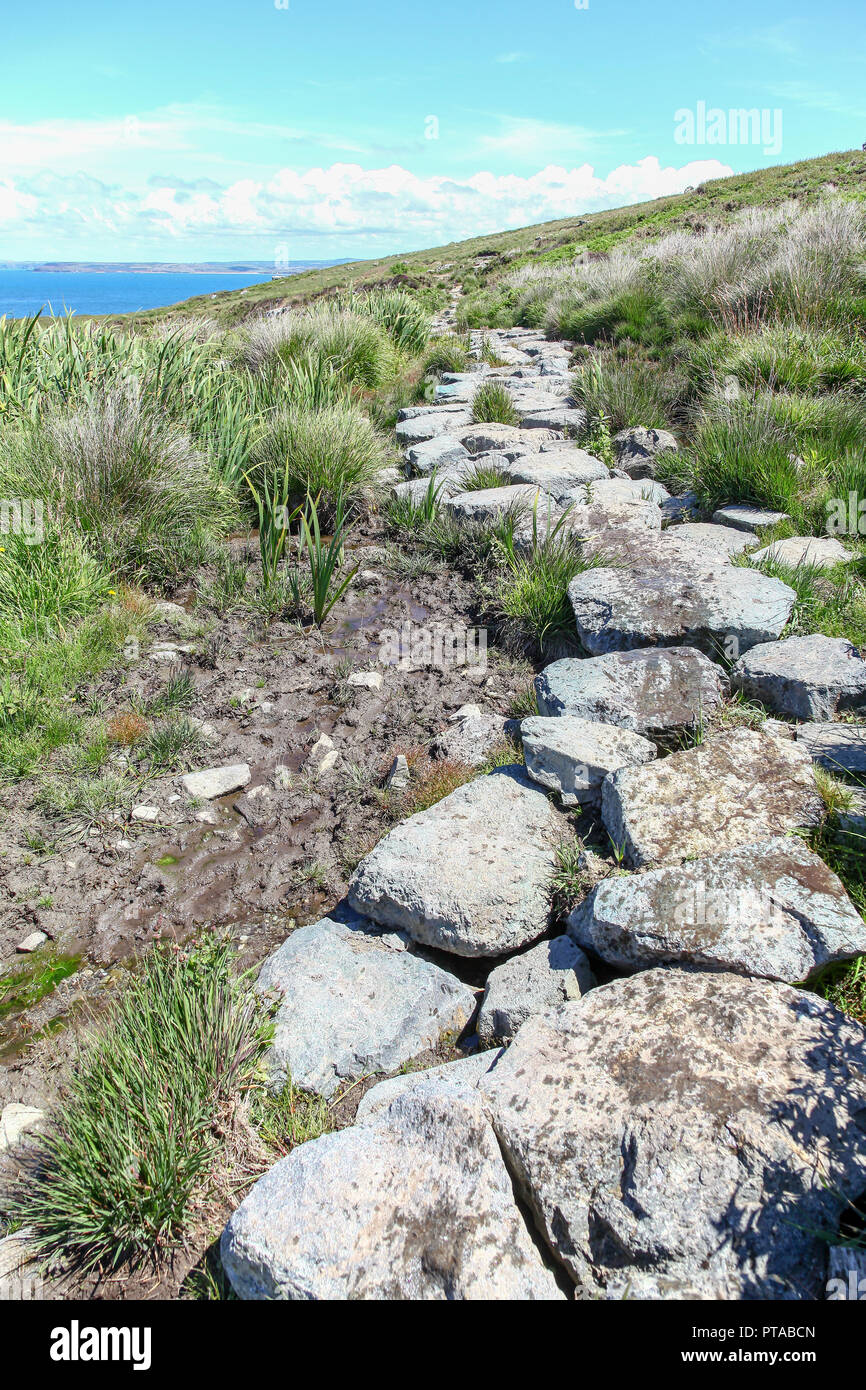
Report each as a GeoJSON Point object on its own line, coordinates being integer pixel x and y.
{"type": "Point", "coordinates": [547, 974]}
{"type": "Point", "coordinates": [838, 747]}
{"type": "Point", "coordinates": [557, 474]}
{"type": "Point", "coordinates": [752, 519]}
{"type": "Point", "coordinates": [415, 1204]}
{"type": "Point", "coordinates": [573, 756]}
{"type": "Point", "coordinates": [491, 503]}
{"type": "Point", "coordinates": [720, 608]}
{"type": "Point", "coordinates": [622, 490]}
{"type": "Point", "coordinates": [772, 909]}
{"type": "Point", "coordinates": [740, 788]}
{"type": "Point", "coordinates": [811, 677]}
{"type": "Point", "coordinates": [478, 439]}
{"type": "Point", "coordinates": [354, 1001]}
{"type": "Point", "coordinates": [719, 540]}
{"type": "Point", "coordinates": [602, 528]}
{"type": "Point", "coordinates": [434, 423]}
{"type": "Point", "coordinates": [666, 1131]}
{"type": "Point", "coordinates": [466, 1071]}
{"type": "Point", "coordinates": [650, 691]}
{"type": "Point", "coordinates": [815, 552]}
{"type": "Point", "coordinates": [555, 417]}
{"type": "Point", "coordinates": [415, 490]}
{"type": "Point", "coordinates": [216, 781]}
{"type": "Point", "coordinates": [439, 452]}
{"type": "Point", "coordinates": [472, 874]}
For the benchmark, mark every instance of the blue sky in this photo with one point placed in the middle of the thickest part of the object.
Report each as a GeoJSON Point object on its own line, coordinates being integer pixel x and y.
{"type": "Point", "coordinates": [333, 128]}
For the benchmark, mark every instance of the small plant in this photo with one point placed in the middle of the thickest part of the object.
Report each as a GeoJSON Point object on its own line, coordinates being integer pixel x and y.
{"type": "Point", "coordinates": [173, 745]}
{"type": "Point", "coordinates": [483, 476]}
{"type": "Point", "coordinates": [291, 1118]}
{"type": "Point", "coordinates": [326, 587]}
{"type": "Point", "coordinates": [492, 403]}
{"type": "Point", "coordinates": [127, 729]}
{"type": "Point", "coordinates": [144, 1119]}
{"type": "Point", "coordinates": [177, 693]}
{"type": "Point", "coordinates": [446, 354]}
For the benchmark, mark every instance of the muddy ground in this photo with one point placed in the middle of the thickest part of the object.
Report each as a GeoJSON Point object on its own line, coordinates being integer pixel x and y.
{"type": "Point", "coordinates": [257, 863]}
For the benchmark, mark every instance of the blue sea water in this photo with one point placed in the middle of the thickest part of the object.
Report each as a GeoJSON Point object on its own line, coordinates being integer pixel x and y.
{"type": "Point", "coordinates": [24, 292]}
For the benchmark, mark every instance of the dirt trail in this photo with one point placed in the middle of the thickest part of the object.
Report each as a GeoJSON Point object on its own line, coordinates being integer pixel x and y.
{"type": "Point", "coordinates": [258, 862]}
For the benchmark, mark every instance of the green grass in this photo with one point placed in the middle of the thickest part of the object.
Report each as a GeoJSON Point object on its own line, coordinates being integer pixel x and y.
{"type": "Point", "coordinates": [627, 393]}
{"type": "Point", "coordinates": [142, 1126]}
{"type": "Point", "coordinates": [332, 455]}
{"type": "Point", "coordinates": [492, 403]}
{"type": "Point", "coordinates": [173, 745]}
{"type": "Point", "coordinates": [447, 353]}
{"type": "Point", "coordinates": [529, 594]}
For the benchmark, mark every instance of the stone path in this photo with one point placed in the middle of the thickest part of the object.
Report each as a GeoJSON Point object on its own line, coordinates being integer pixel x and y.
{"type": "Point", "coordinates": [682, 1130]}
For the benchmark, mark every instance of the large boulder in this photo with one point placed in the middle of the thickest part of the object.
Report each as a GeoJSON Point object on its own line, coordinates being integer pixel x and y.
{"type": "Point", "coordinates": [651, 691]}
{"type": "Point", "coordinates": [840, 748]}
{"type": "Point", "coordinates": [686, 1135]}
{"type": "Point", "coordinates": [811, 677]}
{"type": "Point", "coordinates": [415, 1204]}
{"type": "Point", "coordinates": [527, 984]}
{"type": "Point", "coordinates": [717, 607]}
{"type": "Point", "coordinates": [555, 417]}
{"type": "Point", "coordinates": [472, 874]}
{"type": "Point", "coordinates": [573, 756]}
{"type": "Point", "coordinates": [638, 448]}
{"type": "Point", "coordinates": [353, 1000]}
{"type": "Point", "coordinates": [771, 909]}
{"type": "Point", "coordinates": [741, 787]}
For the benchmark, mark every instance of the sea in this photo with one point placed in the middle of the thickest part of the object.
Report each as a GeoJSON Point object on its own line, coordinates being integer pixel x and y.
{"type": "Point", "coordinates": [24, 291]}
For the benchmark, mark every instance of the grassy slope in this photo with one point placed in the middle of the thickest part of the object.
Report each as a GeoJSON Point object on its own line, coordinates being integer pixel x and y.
{"type": "Point", "coordinates": [443, 266]}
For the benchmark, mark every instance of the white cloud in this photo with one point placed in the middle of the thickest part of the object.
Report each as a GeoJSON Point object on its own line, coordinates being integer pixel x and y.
{"type": "Point", "coordinates": [341, 205]}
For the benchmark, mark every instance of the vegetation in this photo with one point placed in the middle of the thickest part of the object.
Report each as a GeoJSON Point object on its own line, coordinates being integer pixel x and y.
{"type": "Point", "coordinates": [146, 1118]}
{"type": "Point", "coordinates": [492, 403]}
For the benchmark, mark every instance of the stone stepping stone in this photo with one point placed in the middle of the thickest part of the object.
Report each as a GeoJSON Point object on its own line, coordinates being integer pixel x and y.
{"type": "Point", "coordinates": [471, 875]}
{"type": "Point", "coordinates": [638, 448]}
{"type": "Point", "coordinates": [470, 739]}
{"type": "Point", "coordinates": [740, 788]}
{"type": "Point", "coordinates": [811, 677]}
{"type": "Point", "coordinates": [558, 474]}
{"type": "Point", "coordinates": [466, 1071]}
{"type": "Point", "coordinates": [417, 412]}
{"type": "Point", "coordinates": [816, 552]}
{"type": "Point", "coordinates": [415, 490]}
{"type": "Point", "coordinates": [491, 503]}
{"type": "Point", "coordinates": [417, 1203]}
{"type": "Point", "coordinates": [602, 528]}
{"type": "Point", "coordinates": [353, 1001]}
{"type": "Point", "coordinates": [839, 747]}
{"type": "Point", "coordinates": [572, 756]}
{"type": "Point", "coordinates": [439, 452]}
{"type": "Point", "coordinates": [547, 974]}
{"type": "Point", "coordinates": [216, 781]}
{"type": "Point", "coordinates": [479, 439]}
{"type": "Point", "coordinates": [554, 417]}
{"type": "Point", "coordinates": [621, 490]}
{"type": "Point", "coordinates": [752, 519]}
{"type": "Point", "coordinates": [719, 608]}
{"type": "Point", "coordinates": [666, 1129]}
{"type": "Point", "coordinates": [652, 691]}
{"type": "Point", "coordinates": [431, 425]}
{"type": "Point", "coordinates": [715, 540]}
{"type": "Point", "coordinates": [772, 909]}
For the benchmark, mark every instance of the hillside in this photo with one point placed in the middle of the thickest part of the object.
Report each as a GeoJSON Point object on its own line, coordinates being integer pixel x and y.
{"type": "Point", "coordinates": [433, 771]}
{"type": "Point", "coordinates": [484, 258]}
